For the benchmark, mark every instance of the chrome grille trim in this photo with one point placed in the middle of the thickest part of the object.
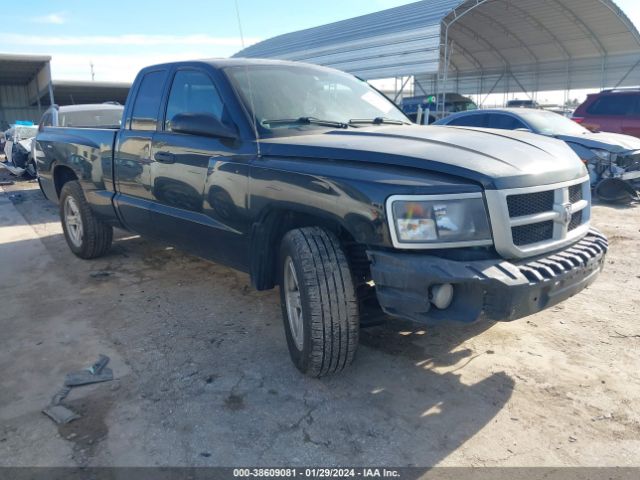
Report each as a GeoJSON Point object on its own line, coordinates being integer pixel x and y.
{"type": "Point", "coordinates": [502, 223]}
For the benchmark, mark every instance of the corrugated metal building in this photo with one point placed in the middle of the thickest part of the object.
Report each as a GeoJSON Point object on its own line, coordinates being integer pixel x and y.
{"type": "Point", "coordinates": [24, 80]}
{"type": "Point", "coordinates": [74, 92]}
{"type": "Point", "coordinates": [27, 90]}
{"type": "Point", "coordinates": [476, 46]}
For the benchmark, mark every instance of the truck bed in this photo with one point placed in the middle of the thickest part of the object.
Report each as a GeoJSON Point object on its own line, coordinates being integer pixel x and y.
{"type": "Point", "coordinates": [88, 152]}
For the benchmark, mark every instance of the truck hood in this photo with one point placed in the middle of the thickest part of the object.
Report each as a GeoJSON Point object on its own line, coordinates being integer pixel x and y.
{"type": "Point", "coordinates": [497, 159]}
{"type": "Point", "coordinates": [612, 142]}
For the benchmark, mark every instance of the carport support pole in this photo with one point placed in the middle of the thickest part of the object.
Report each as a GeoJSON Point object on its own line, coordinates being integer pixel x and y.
{"type": "Point", "coordinates": [38, 97]}
{"type": "Point", "coordinates": [456, 17]}
{"type": "Point", "coordinates": [51, 98]}
{"type": "Point", "coordinates": [401, 91]}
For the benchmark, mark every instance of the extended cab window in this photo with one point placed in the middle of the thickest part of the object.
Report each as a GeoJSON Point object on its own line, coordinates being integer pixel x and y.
{"type": "Point", "coordinates": [147, 103]}
{"type": "Point", "coordinates": [193, 92]}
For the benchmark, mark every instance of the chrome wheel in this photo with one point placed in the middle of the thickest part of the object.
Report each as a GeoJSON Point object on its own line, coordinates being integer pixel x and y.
{"type": "Point", "coordinates": [73, 221]}
{"type": "Point", "coordinates": [294, 303]}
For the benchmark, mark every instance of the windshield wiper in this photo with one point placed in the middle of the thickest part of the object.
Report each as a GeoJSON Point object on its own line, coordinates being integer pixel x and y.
{"type": "Point", "coordinates": [306, 121]}
{"type": "Point", "coordinates": [377, 121]}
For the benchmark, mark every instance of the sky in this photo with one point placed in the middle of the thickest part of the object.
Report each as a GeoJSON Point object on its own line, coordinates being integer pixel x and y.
{"type": "Point", "coordinates": [120, 37]}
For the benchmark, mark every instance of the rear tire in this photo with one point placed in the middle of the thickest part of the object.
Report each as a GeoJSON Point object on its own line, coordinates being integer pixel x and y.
{"type": "Point", "coordinates": [87, 236]}
{"type": "Point", "coordinates": [319, 305]}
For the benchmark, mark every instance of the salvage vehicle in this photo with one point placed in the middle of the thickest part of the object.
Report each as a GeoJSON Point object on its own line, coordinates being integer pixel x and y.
{"type": "Point", "coordinates": [99, 115]}
{"type": "Point", "coordinates": [613, 159]}
{"type": "Point", "coordinates": [308, 179]}
{"type": "Point", "coordinates": [18, 149]}
{"type": "Point", "coordinates": [614, 110]}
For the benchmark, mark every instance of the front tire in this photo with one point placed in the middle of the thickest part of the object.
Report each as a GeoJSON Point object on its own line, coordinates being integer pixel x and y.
{"type": "Point", "coordinates": [87, 236]}
{"type": "Point", "coordinates": [319, 305]}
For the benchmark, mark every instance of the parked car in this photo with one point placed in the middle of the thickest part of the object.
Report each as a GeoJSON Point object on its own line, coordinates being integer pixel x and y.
{"type": "Point", "coordinates": [307, 178]}
{"type": "Point", "coordinates": [517, 103]}
{"type": "Point", "coordinates": [100, 115]}
{"type": "Point", "coordinates": [616, 111]}
{"type": "Point", "coordinates": [18, 149]}
{"type": "Point", "coordinates": [432, 110]}
{"type": "Point", "coordinates": [613, 160]}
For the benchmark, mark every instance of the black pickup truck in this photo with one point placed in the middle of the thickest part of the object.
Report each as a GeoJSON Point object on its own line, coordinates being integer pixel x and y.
{"type": "Point", "coordinates": [310, 179]}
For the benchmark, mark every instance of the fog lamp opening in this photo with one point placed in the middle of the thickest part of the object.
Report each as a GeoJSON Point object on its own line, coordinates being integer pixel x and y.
{"type": "Point", "coordinates": [441, 295]}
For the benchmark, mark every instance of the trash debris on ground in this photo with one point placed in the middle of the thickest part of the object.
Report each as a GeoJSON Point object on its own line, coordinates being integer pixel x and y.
{"type": "Point", "coordinates": [60, 396]}
{"type": "Point", "coordinates": [96, 373]}
{"type": "Point", "coordinates": [60, 414]}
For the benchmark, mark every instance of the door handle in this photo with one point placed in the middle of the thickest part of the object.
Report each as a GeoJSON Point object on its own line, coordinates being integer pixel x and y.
{"type": "Point", "coordinates": [165, 157]}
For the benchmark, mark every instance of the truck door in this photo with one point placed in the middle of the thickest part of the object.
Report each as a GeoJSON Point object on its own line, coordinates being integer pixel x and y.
{"type": "Point", "coordinates": [133, 153]}
{"type": "Point", "coordinates": [199, 183]}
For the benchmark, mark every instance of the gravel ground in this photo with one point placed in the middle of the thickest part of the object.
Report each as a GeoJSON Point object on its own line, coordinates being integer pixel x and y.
{"type": "Point", "coordinates": [203, 375]}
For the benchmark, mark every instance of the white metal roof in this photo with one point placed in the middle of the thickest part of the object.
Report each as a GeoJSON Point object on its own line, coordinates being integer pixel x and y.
{"type": "Point", "coordinates": [551, 44]}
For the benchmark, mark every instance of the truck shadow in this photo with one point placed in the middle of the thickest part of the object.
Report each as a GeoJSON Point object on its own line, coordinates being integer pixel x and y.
{"type": "Point", "coordinates": [398, 337]}
{"type": "Point", "coordinates": [439, 411]}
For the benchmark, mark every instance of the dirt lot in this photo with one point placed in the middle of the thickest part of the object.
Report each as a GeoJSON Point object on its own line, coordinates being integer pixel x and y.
{"type": "Point", "coordinates": [204, 378]}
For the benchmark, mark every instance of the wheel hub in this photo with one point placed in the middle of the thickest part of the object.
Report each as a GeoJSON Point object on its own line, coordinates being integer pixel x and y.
{"type": "Point", "coordinates": [294, 303]}
{"type": "Point", "coordinates": [73, 221]}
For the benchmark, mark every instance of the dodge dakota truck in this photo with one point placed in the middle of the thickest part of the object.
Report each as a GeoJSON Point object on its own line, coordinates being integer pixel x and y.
{"type": "Point", "coordinates": [309, 179]}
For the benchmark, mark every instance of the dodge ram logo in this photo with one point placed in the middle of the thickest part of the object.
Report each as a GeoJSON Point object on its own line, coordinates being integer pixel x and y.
{"type": "Point", "coordinates": [566, 213]}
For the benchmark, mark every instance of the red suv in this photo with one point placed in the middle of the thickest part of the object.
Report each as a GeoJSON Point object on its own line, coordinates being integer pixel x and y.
{"type": "Point", "coordinates": [616, 111]}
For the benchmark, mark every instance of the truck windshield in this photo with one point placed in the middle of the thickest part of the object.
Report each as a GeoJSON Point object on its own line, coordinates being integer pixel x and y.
{"type": "Point", "coordinates": [286, 96]}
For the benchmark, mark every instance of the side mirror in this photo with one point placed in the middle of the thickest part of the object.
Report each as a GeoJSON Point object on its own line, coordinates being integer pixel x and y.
{"type": "Point", "coordinates": [201, 124]}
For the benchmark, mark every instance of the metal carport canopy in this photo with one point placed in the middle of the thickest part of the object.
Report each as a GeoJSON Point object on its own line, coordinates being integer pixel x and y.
{"type": "Point", "coordinates": [73, 92]}
{"type": "Point", "coordinates": [21, 69]}
{"type": "Point", "coordinates": [538, 44]}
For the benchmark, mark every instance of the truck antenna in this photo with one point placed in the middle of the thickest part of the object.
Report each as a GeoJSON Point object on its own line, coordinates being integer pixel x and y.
{"type": "Point", "coordinates": [246, 71]}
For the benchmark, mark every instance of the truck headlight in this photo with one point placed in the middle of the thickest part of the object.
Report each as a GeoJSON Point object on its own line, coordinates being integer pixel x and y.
{"type": "Point", "coordinates": [439, 221]}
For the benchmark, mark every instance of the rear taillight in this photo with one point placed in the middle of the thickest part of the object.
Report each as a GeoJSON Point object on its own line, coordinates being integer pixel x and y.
{"type": "Point", "coordinates": [578, 119]}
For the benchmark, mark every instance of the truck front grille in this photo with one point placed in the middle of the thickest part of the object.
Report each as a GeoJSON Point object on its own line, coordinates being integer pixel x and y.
{"type": "Point", "coordinates": [575, 193]}
{"type": "Point", "coordinates": [532, 233]}
{"type": "Point", "coordinates": [576, 221]}
{"type": "Point", "coordinates": [533, 221]}
{"type": "Point", "coordinates": [530, 203]}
